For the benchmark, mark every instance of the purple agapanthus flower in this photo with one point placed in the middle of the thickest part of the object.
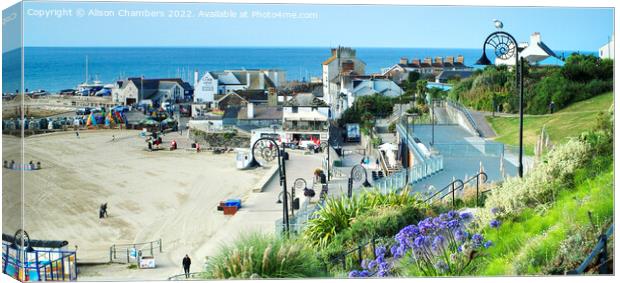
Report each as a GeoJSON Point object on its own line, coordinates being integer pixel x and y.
{"type": "Point", "coordinates": [487, 244]}
{"type": "Point", "coordinates": [354, 273]}
{"type": "Point", "coordinates": [495, 223]}
{"type": "Point", "coordinates": [476, 240]}
{"type": "Point", "coordinates": [461, 235]}
{"type": "Point", "coordinates": [438, 242]}
{"type": "Point", "coordinates": [419, 241]}
{"type": "Point", "coordinates": [380, 251]}
{"type": "Point", "coordinates": [453, 214]}
{"type": "Point", "coordinates": [372, 264]}
{"type": "Point", "coordinates": [466, 216]}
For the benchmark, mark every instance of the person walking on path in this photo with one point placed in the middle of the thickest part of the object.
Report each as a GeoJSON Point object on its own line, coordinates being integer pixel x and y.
{"type": "Point", "coordinates": [551, 107]}
{"type": "Point", "coordinates": [186, 263]}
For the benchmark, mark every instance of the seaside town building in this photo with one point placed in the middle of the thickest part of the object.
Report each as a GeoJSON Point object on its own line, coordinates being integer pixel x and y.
{"type": "Point", "coordinates": [428, 66]}
{"type": "Point", "coordinates": [607, 51]}
{"type": "Point", "coordinates": [358, 86]}
{"type": "Point", "coordinates": [253, 116]}
{"type": "Point", "coordinates": [535, 52]}
{"type": "Point", "coordinates": [343, 63]}
{"type": "Point", "coordinates": [150, 91]}
{"type": "Point", "coordinates": [305, 119]}
{"type": "Point", "coordinates": [211, 84]}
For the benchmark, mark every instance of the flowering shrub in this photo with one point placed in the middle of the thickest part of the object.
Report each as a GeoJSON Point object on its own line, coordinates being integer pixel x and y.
{"type": "Point", "coordinates": [540, 185]}
{"type": "Point", "coordinates": [439, 246]}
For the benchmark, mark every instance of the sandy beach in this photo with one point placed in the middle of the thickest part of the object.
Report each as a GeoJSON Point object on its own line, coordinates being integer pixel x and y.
{"type": "Point", "coordinates": [164, 195]}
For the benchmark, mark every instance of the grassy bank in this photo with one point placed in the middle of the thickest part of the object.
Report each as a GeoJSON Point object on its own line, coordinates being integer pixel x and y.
{"type": "Point", "coordinates": [569, 122]}
{"type": "Point", "coordinates": [533, 242]}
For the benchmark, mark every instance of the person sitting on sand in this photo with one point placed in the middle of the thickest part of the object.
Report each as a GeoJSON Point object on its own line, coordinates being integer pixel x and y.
{"type": "Point", "coordinates": [12, 166]}
{"type": "Point", "coordinates": [31, 165]}
{"type": "Point", "coordinates": [5, 164]}
{"type": "Point", "coordinates": [38, 165]}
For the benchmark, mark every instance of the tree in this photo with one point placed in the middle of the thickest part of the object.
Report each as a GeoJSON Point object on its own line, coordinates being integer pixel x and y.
{"type": "Point", "coordinates": [421, 90]}
{"type": "Point", "coordinates": [413, 77]}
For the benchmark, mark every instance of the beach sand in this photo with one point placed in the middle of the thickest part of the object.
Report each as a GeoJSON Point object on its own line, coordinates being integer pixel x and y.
{"type": "Point", "coordinates": [164, 195]}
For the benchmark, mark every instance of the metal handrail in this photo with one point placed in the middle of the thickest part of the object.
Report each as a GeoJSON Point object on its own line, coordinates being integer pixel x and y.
{"type": "Point", "coordinates": [460, 187]}
{"type": "Point", "coordinates": [182, 276]}
{"type": "Point", "coordinates": [451, 185]}
{"type": "Point", "coordinates": [600, 248]}
{"type": "Point", "coordinates": [343, 256]}
{"type": "Point", "coordinates": [464, 110]}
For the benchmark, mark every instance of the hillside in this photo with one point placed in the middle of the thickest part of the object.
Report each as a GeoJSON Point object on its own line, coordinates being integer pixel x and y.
{"type": "Point", "coordinates": [570, 121]}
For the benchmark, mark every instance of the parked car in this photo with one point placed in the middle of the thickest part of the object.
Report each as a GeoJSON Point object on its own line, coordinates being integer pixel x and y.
{"type": "Point", "coordinates": [83, 111]}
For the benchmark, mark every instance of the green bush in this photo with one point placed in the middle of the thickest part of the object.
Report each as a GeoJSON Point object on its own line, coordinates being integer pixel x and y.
{"type": "Point", "coordinates": [337, 214]}
{"type": "Point", "coordinates": [581, 77]}
{"type": "Point", "coordinates": [380, 224]}
{"type": "Point", "coordinates": [264, 256]}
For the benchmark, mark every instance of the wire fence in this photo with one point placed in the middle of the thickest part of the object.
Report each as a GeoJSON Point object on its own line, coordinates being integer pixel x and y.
{"type": "Point", "coordinates": [126, 253]}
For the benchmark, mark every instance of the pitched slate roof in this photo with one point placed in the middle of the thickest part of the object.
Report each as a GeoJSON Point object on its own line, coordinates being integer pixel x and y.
{"type": "Point", "coordinates": [305, 100]}
{"type": "Point", "coordinates": [261, 112]}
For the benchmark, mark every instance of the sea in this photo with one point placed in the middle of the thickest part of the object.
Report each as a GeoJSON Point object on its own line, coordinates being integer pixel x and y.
{"type": "Point", "coordinates": [57, 68]}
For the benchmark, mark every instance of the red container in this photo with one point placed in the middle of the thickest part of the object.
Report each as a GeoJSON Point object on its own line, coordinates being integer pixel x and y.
{"type": "Point", "coordinates": [230, 210]}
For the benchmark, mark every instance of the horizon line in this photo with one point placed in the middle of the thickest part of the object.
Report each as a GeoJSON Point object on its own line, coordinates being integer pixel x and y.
{"type": "Point", "coordinates": [262, 46]}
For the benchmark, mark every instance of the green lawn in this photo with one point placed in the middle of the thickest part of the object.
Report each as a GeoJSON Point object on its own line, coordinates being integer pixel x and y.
{"type": "Point", "coordinates": [568, 122]}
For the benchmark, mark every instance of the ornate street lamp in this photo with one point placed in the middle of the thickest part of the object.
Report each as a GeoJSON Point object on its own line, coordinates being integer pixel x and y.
{"type": "Point", "coordinates": [505, 47]}
{"type": "Point", "coordinates": [265, 151]}
{"type": "Point", "coordinates": [358, 173]}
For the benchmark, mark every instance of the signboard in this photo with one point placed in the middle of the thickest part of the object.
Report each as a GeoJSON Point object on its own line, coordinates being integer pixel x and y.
{"type": "Point", "coordinates": [147, 262]}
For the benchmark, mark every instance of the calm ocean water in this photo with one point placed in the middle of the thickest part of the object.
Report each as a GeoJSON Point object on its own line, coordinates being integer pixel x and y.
{"type": "Point", "coordinates": [54, 69]}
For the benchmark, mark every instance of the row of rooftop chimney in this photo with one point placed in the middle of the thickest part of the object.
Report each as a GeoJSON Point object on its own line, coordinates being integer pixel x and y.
{"type": "Point", "coordinates": [438, 60]}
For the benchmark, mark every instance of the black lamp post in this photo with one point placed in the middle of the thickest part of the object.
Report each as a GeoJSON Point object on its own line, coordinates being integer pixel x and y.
{"type": "Point", "coordinates": [356, 175]}
{"type": "Point", "coordinates": [506, 47]}
{"type": "Point", "coordinates": [264, 151]}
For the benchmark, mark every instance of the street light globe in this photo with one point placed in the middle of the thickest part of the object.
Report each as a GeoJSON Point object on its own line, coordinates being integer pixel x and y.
{"type": "Point", "coordinates": [498, 24]}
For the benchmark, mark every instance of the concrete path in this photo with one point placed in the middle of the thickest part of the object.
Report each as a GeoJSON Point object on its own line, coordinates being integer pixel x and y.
{"type": "Point", "coordinates": [483, 125]}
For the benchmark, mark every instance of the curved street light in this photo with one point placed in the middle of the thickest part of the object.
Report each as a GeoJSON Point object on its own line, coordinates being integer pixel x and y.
{"type": "Point", "coordinates": [505, 46]}
{"type": "Point", "coordinates": [265, 151]}
{"type": "Point", "coordinates": [358, 173]}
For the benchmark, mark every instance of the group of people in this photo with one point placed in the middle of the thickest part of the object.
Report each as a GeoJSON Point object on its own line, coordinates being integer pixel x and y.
{"type": "Point", "coordinates": [31, 165]}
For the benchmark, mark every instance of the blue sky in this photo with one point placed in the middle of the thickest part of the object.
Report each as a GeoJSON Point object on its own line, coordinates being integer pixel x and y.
{"type": "Point", "coordinates": [358, 26]}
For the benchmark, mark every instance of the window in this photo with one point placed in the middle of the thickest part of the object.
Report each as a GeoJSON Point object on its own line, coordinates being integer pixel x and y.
{"type": "Point", "coordinates": [295, 109]}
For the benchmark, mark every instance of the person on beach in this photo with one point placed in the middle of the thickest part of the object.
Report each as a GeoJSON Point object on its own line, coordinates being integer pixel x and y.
{"type": "Point", "coordinates": [113, 137]}
{"type": "Point", "coordinates": [77, 134]}
{"type": "Point", "coordinates": [186, 263]}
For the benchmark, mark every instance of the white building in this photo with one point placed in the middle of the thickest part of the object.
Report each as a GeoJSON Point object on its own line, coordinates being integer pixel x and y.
{"type": "Point", "coordinates": [368, 86]}
{"type": "Point", "coordinates": [607, 50]}
{"type": "Point", "coordinates": [134, 90]}
{"type": "Point", "coordinates": [210, 84]}
{"type": "Point", "coordinates": [305, 119]}
{"type": "Point", "coordinates": [534, 52]}
{"type": "Point", "coordinates": [343, 62]}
